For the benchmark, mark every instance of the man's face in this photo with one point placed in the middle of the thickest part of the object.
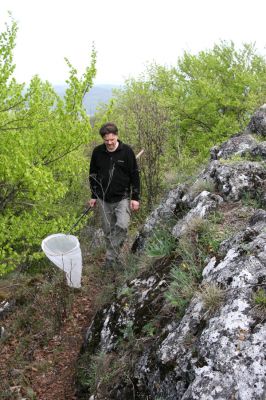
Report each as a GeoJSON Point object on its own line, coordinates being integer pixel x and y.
{"type": "Point", "coordinates": [110, 140]}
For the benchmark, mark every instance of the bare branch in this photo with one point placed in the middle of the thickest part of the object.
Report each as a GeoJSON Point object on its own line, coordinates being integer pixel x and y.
{"type": "Point", "coordinates": [197, 121]}
{"type": "Point", "coordinates": [17, 128]}
{"type": "Point", "coordinates": [69, 150]}
{"type": "Point", "coordinates": [12, 106]}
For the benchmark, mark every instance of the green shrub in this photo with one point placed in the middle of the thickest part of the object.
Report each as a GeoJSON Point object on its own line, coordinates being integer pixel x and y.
{"type": "Point", "coordinates": [181, 289]}
{"type": "Point", "coordinates": [201, 241]}
{"type": "Point", "coordinates": [99, 372]}
{"type": "Point", "coordinates": [42, 162]}
{"type": "Point", "coordinates": [259, 299]}
{"type": "Point", "coordinates": [161, 243]}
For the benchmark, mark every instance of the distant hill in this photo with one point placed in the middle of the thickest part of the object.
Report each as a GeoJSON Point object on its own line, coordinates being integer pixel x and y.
{"type": "Point", "coordinates": [97, 94]}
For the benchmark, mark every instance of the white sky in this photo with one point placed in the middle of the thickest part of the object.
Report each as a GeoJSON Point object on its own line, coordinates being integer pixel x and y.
{"type": "Point", "coordinates": [128, 34]}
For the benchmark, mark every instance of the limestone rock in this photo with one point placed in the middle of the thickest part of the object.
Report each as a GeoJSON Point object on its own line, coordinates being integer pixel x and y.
{"type": "Point", "coordinates": [209, 353]}
{"type": "Point", "coordinates": [237, 145]}
{"type": "Point", "coordinates": [201, 207]}
{"type": "Point", "coordinates": [258, 122]}
{"type": "Point", "coordinates": [237, 180]}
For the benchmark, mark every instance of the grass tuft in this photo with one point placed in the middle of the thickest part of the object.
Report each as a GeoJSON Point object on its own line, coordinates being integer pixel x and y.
{"type": "Point", "coordinates": [212, 296]}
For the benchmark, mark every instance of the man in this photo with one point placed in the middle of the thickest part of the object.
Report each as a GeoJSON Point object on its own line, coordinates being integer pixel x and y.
{"type": "Point", "coordinates": [115, 187]}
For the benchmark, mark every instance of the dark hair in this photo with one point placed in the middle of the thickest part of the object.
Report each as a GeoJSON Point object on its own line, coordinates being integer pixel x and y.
{"type": "Point", "coordinates": [109, 127]}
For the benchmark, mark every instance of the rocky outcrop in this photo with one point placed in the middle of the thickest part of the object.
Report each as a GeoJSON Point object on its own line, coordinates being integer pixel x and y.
{"type": "Point", "coordinates": [227, 357]}
{"type": "Point", "coordinates": [239, 180]}
{"type": "Point", "coordinates": [215, 350]}
{"type": "Point", "coordinates": [201, 206]}
{"type": "Point", "coordinates": [257, 123]}
{"type": "Point", "coordinates": [137, 303]}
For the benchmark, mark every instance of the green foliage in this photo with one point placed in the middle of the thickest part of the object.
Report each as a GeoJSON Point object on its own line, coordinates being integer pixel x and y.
{"type": "Point", "coordinates": [259, 299]}
{"type": "Point", "coordinates": [98, 373]}
{"type": "Point", "coordinates": [175, 114]}
{"type": "Point", "coordinates": [150, 328]}
{"type": "Point", "coordinates": [179, 113]}
{"type": "Point", "coordinates": [125, 291]}
{"type": "Point", "coordinates": [143, 122]}
{"type": "Point", "coordinates": [42, 163]}
{"type": "Point", "coordinates": [182, 287]}
{"type": "Point", "coordinates": [210, 238]}
{"type": "Point", "coordinates": [161, 243]}
{"type": "Point", "coordinates": [128, 331]}
{"type": "Point", "coordinates": [217, 90]}
{"type": "Point", "coordinates": [201, 241]}
{"type": "Point", "coordinates": [254, 199]}
{"type": "Point", "coordinates": [238, 158]}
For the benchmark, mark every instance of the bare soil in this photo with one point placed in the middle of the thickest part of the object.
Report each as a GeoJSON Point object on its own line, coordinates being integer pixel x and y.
{"type": "Point", "coordinates": [33, 369]}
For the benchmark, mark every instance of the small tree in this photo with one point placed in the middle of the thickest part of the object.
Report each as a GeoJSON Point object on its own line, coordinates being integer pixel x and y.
{"type": "Point", "coordinates": [211, 95]}
{"type": "Point", "coordinates": [42, 166]}
{"type": "Point", "coordinates": [142, 122]}
{"type": "Point", "coordinates": [177, 114]}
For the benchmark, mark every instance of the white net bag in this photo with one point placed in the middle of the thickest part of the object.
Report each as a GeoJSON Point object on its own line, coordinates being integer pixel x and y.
{"type": "Point", "coordinates": [64, 251]}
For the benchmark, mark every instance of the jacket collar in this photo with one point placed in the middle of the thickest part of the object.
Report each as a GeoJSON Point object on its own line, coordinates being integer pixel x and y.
{"type": "Point", "coordinates": [120, 146]}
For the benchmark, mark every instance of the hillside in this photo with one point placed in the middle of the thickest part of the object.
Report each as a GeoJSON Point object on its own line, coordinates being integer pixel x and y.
{"type": "Point", "coordinates": [191, 324]}
{"type": "Point", "coordinates": [183, 320]}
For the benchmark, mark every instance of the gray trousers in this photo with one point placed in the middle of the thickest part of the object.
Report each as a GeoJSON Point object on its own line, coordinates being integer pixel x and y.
{"type": "Point", "coordinates": [115, 220]}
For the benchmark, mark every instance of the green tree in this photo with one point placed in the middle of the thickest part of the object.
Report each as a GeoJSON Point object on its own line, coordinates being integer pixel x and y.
{"type": "Point", "coordinates": [177, 114]}
{"type": "Point", "coordinates": [42, 163]}
{"type": "Point", "coordinates": [211, 96]}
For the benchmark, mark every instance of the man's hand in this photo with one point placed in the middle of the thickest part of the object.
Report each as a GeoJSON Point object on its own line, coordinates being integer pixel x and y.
{"type": "Point", "coordinates": [92, 202]}
{"type": "Point", "coordinates": [134, 205]}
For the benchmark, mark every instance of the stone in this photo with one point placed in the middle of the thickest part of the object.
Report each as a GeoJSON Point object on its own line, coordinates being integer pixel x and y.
{"type": "Point", "coordinates": [257, 123]}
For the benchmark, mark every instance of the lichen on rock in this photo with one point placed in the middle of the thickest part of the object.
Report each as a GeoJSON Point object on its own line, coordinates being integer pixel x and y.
{"type": "Point", "coordinates": [202, 354]}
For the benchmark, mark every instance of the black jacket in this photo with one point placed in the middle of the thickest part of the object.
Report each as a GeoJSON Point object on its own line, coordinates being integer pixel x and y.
{"type": "Point", "coordinates": [114, 175]}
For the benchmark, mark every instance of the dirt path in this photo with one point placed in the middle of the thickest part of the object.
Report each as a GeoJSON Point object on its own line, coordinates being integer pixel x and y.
{"type": "Point", "coordinates": [60, 355]}
{"type": "Point", "coordinates": [47, 371]}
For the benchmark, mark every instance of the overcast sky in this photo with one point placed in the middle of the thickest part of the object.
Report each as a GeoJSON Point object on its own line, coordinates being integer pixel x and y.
{"type": "Point", "coordinates": [128, 34]}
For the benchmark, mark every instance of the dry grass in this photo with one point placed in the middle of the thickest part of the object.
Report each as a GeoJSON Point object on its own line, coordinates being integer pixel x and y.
{"type": "Point", "coordinates": [202, 184]}
{"type": "Point", "coordinates": [212, 296]}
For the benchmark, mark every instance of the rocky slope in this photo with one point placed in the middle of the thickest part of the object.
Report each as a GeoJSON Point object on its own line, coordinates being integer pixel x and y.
{"type": "Point", "coordinates": [145, 344]}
